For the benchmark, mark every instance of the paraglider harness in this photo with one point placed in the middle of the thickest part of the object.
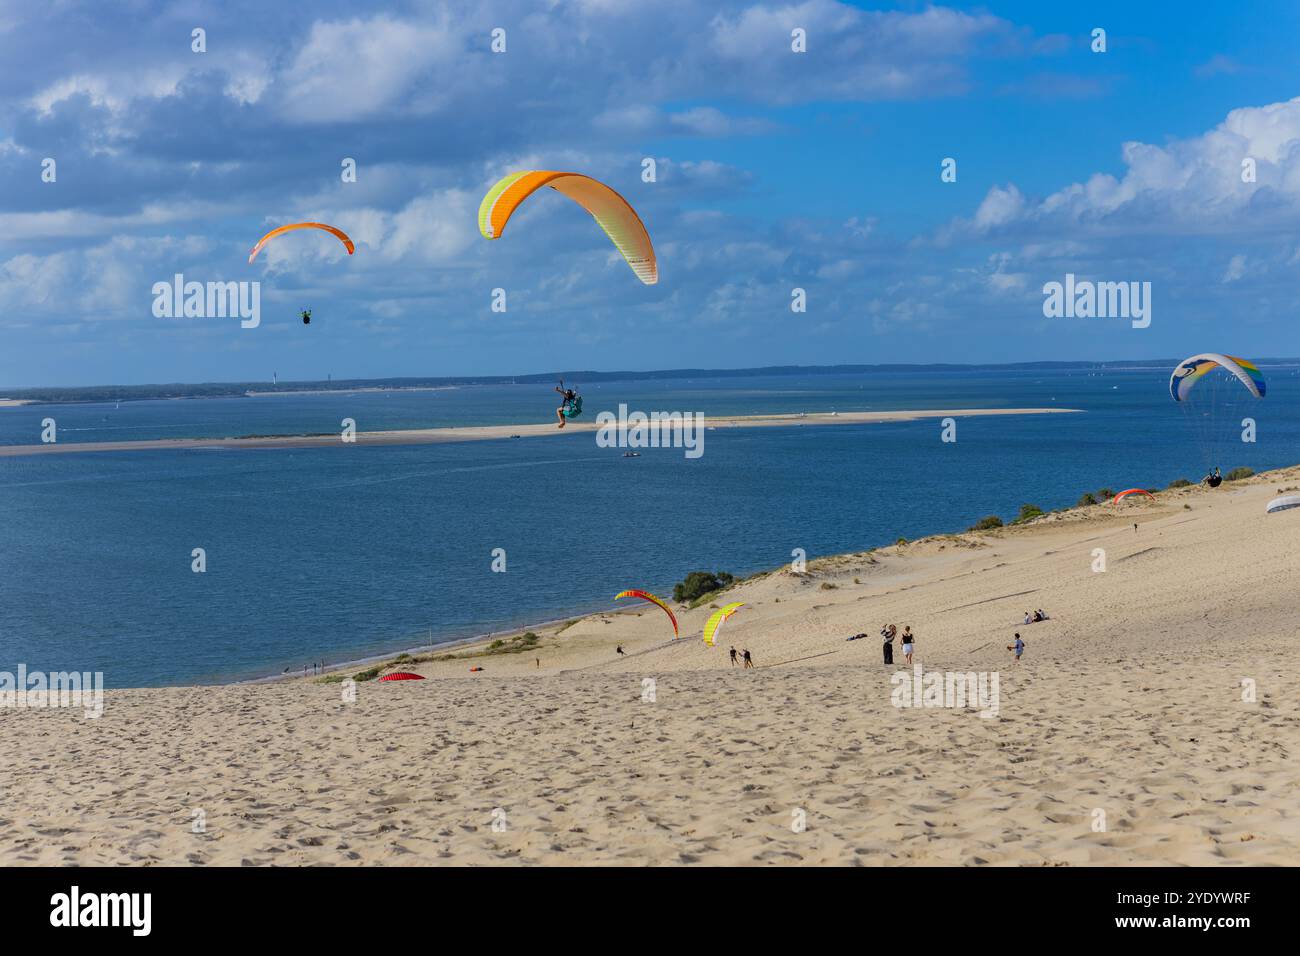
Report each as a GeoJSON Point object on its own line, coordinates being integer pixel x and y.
{"type": "Point", "coordinates": [1214, 479]}
{"type": "Point", "coordinates": [572, 406]}
{"type": "Point", "coordinates": [306, 316]}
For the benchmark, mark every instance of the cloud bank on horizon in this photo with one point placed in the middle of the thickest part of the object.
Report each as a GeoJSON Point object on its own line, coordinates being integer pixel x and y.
{"type": "Point", "coordinates": [775, 170]}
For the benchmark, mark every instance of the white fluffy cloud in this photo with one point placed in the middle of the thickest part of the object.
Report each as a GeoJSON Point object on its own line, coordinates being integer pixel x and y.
{"type": "Point", "coordinates": [1190, 185]}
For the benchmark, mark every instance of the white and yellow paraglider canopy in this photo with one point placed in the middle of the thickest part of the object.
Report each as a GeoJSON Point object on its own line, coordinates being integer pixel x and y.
{"type": "Point", "coordinates": [714, 624]}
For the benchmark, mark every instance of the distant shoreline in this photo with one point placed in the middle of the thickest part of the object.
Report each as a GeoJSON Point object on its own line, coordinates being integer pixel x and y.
{"type": "Point", "coordinates": [259, 393]}
{"type": "Point", "coordinates": [99, 394]}
{"type": "Point", "coordinates": [423, 436]}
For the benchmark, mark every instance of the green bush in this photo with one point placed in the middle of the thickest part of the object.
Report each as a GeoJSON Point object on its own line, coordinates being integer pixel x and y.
{"type": "Point", "coordinates": [700, 583]}
{"type": "Point", "coordinates": [1237, 474]}
{"type": "Point", "coordinates": [1087, 499]}
{"type": "Point", "coordinates": [985, 523]}
{"type": "Point", "coordinates": [516, 644]}
{"type": "Point", "coordinates": [1028, 513]}
{"type": "Point", "coordinates": [1180, 483]}
{"type": "Point", "coordinates": [1105, 493]}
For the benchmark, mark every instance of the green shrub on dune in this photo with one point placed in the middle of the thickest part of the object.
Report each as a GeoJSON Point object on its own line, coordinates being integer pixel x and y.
{"type": "Point", "coordinates": [1237, 474]}
{"type": "Point", "coordinates": [1028, 513]}
{"type": "Point", "coordinates": [698, 584]}
{"type": "Point", "coordinates": [1180, 483]}
{"type": "Point", "coordinates": [1087, 499]}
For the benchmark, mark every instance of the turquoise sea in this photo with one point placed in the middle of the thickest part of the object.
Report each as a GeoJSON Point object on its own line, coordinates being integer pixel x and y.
{"type": "Point", "coordinates": [338, 553]}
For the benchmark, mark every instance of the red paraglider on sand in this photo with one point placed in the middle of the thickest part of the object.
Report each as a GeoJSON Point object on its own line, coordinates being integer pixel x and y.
{"type": "Point", "coordinates": [401, 675]}
{"type": "Point", "coordinates": [1132, 491]}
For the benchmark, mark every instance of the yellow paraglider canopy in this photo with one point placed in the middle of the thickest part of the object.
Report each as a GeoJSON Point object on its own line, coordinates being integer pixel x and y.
{"type": "Point", "coordinates": [610, 210]}
{"type": "Point", "coordinates": [714, 624]}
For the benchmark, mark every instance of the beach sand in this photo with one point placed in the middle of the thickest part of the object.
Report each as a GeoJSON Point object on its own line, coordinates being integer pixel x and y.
{"type": "Point", "coordinates": [422, 436]}
{"type": "Point", "coordinates": [1122, 737]}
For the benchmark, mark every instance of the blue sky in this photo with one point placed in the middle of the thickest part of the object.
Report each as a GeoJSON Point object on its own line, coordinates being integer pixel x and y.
{"type": "Point", "coordinates": [776, 170]}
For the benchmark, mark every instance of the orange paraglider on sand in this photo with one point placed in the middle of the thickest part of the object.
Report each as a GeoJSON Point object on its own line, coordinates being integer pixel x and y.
{"type": "Point", "coordinates": [1132, 491]}
{"type": "Point", "coordinates": [337, 233]}
{"type": "Point", "coordinates": [647, 596]}
{"type": "Point", "coordinates": [611, 211]}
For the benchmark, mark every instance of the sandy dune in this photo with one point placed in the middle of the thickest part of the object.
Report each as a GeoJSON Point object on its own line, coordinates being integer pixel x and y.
{"type": "Point", "coordinates": [1127, 709]}
{"type": "Point", "coordinates": [423, 436]}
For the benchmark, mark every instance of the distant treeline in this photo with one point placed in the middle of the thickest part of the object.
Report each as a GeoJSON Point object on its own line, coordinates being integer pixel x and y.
{"type": "Point", "coordinates": [127, 393]}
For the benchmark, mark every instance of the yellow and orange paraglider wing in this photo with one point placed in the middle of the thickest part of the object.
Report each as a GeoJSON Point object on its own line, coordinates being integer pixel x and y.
{"type": "Point", "coordinates": [647, 596]}
{"type": "Point", "coordinates": [338, 233]}
{"type": "Point", "coordinates": [714, 623]}
{"type": "Point", "coordinates": [610, 210]}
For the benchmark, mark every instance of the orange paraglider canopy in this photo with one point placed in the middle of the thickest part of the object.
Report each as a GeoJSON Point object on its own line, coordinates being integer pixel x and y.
{"type": "Point", "coordinates": [337, 233]}
{"type": "Point", "coordinates": [611, 211]}
{"type": "Point", "coordinates": [647, 596]}
{"type": "Point", "coordinates": [401, 675]}
{"type": "Point", "coordinates": [1132, 491]}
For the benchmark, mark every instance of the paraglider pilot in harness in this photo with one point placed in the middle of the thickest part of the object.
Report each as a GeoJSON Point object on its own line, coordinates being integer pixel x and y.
{"type": "Point", "coordinates": [306, 316]}
{"type": "Point", "coordinates": [571, 407]}
{"type": "Point", "coordinates": [1213, 479]}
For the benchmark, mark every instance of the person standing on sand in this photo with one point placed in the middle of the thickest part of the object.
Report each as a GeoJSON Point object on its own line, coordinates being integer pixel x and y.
{"type": "Point", "coordinates": [888, 632]}
{"type": "Point", "coordinates": [1018, 647]}
{"type": "Point", "coordinates": [909, 643]}
{"type": "Point", "coordinates": [734, 662]}
{"type": "Point", "coordinates": [619, 651]}
{"type": "Point", "coordinates": [749, 662]}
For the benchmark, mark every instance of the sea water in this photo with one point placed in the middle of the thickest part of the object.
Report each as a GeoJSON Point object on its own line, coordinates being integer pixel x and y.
{"type": "Point", "coordinates": [336, 553]}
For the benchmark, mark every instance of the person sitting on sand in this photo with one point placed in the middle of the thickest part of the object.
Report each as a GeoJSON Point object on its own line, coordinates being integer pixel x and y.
{"type": "Point", "coordinates": [619, 651]}
{"type": "Point", "coordinates": [1038, 615]}
{"type": "Point", "coordinates": [749, 661]}
{"type": "Point", "coordinates": [571, 406]}
{"type": "Point", "coordinates": [887, 634]}
{"type": "Point", "coordinates": [1029, 618]}
{"type": "Point", "coordinates": [1018, 647]}
{"type": "Point", "coordinates": [734, 659]}
{"type": "Point", "coordinates": [909, 643]}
